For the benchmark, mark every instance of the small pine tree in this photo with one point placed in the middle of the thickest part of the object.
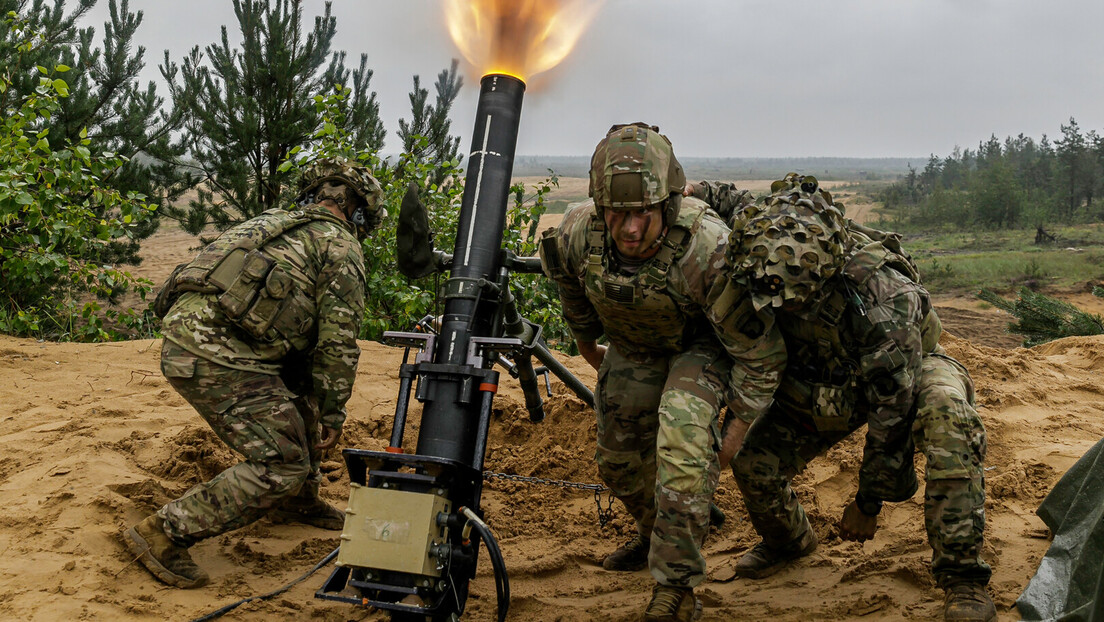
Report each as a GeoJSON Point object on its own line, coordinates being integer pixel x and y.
{"type": "Point", "coordinates": [247, 107]}
{"type": "Point", "coordinates": [105, 104]}
{"type": "Point", "coordinates": [427, 135]}
{"type": "Point", "coordinates": [1042, 318]}
{"type": "Point", "coordinates": [58, 217]}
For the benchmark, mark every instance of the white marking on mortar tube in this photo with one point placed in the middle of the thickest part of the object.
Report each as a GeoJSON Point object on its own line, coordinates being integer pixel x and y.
{"type": "Point", "coordinates": [478, 184]}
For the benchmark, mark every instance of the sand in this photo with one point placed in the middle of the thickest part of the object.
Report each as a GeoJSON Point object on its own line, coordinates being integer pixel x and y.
{"type": "Point", "coordinates": [92, 439]}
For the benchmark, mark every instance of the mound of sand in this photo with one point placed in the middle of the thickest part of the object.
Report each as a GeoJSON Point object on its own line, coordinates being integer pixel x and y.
{"type": "Point", "coordinates": [92, 439]}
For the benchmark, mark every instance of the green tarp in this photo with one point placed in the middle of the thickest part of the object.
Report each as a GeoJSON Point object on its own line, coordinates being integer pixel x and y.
{"type": "Point", "coordinates": [1069, 585]}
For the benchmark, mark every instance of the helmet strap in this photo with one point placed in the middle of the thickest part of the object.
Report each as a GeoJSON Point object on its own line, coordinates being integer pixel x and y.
{"type": "Point", "coordinates": [659, 239]}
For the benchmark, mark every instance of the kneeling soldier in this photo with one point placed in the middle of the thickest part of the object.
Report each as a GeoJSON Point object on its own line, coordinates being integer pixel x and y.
{"type": "Point", "coordinates": [260, 338]}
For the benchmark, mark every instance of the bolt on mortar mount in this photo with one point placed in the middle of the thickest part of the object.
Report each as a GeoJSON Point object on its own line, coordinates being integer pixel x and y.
{"type": "Point", "coordinates": [414, 523]}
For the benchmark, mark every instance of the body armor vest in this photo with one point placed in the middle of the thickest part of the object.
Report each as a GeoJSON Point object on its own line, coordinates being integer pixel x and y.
{"type": "Point", "coordinates": [638, 313]}
{"type": "Point", "coordinates": [251, 290]}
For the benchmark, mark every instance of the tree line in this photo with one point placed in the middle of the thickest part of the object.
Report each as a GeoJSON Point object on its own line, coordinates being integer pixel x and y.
{"type": "Point", "coordinates": [1016, 182]}
{"type": "Point", "coordinates": [92, 161]}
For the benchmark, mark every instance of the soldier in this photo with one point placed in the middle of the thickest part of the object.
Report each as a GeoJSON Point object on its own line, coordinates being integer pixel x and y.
{"type": "Point", "coordinates": [644, 267]}
{"type": "Point", "coordinates": [861, 342]}
{"type": "Point", "coordinates": [260, 338]}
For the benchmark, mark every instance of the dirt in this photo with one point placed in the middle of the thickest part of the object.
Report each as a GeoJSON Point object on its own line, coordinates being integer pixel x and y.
{"type": "Point", "coordinates": [92, 439]}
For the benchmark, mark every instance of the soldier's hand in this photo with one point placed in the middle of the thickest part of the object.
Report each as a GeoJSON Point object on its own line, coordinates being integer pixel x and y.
{"type": "Point", "coordinates": [733, 439]}
{"type": "Point", "coordinates": [330, 437]}
{"type": "Point", "coordinates": [592, 352]}
{"type": "Point", "coordinates": [688, 190]}
{"type": "Point", "coordinates": [857, 526]}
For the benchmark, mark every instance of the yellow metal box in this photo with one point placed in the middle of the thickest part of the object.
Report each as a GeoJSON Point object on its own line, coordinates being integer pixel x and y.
{"type": "Point", "coordinates": [391, 529]}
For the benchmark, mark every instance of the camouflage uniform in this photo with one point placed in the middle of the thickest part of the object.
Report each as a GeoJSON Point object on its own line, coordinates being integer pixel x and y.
{"type": "Point", "coordinates": [264, 384]}
{"type": "Point", "coordinates": [724, 198]}
{"type": "Point", "coordinates": [663, 378]}
{"type": "Point", "coordinates": [866, 353]}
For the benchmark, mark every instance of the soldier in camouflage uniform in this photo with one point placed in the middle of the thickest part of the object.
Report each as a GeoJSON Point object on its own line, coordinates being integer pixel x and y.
{"type": "Point", "coordinates": [643, 267]}
{"type": "Point", "coordinates": [861, 348]}
{"type": "Point", "coordinates": [260, 338]}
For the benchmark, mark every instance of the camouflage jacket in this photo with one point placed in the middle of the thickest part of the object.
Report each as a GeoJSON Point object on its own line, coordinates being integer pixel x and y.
{"type": "Point", "coordinates": [722, 197]}
{"type": "Point", "coordinates": [695, 285]}
{"type": "Point", "coordinates": [325, 266]}
{"type": "Point", "coordinates": [859, 360]}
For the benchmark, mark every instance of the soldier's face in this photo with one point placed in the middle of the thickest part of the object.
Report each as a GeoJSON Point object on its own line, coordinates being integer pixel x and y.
{"type": "Point", "coordinates": [635, 231]}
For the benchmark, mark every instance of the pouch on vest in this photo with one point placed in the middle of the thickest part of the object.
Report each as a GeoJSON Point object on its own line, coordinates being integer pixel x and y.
{"type": "Point", "coordinates": [296, 319]}
{"type": "Point", "coordinates": [831, 407]}
{"type": "Point", "coordinates": [268, 304]}
{"type": "Point", "coordinates": [248, 281]}
{"type": "Point", "coordinates": [549, 250]}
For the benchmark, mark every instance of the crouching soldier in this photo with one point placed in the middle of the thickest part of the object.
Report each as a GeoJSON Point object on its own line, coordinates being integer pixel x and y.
{"type": "Point", "coordinates": [643, 267]}
{"type": "Point", "coordinates": [861, 347]}
{"type": "Point", "coordinates": [260, 338]}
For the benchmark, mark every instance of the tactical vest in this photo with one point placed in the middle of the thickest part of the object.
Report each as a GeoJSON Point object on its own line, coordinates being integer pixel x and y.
{"type": "Point", "coordinates": [638, 314]}
{"type": "Point", "coordinates": [253, 292]}
{"type": "Point", "coordinates": [824, 368]}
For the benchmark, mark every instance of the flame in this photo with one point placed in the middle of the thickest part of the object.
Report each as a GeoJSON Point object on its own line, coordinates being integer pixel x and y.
{"type": "Point", "coordinates": [520, 38]}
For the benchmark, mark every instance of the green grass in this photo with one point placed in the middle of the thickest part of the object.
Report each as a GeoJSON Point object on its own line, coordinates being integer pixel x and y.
{"type": "Point", "coordinates": [1003, 269]}
{"type": "Point", "coordinates": [1081, 236]}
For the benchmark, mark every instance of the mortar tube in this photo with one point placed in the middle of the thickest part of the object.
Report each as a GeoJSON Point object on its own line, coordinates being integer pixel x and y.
{"type": "Point", "coordinates": [449, 425]}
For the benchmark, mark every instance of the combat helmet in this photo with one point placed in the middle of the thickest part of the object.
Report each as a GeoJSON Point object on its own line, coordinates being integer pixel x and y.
{"type": "Point", "coordinates": [787, 247]}
{"type": "Point", "coordinates": [634, 167]}
{"type": "Point", "coordinates": [366, 213]}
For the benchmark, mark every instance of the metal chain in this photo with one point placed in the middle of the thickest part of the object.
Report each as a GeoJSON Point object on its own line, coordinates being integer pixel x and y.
{"type": "Point", "coordinates": [604, 515]}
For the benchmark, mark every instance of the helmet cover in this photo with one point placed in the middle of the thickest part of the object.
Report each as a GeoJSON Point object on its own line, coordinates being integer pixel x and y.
{"type": "Point", "coordinates": [787, 247]}
{"type": "Point", "coordinates": [634, 167]}
{"type": "Point", "coordinates": [327, 172]}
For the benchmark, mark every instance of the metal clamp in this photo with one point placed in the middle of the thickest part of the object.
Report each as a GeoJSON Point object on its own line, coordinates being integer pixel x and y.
{"type": "Point", "coordinates": [423, 341]}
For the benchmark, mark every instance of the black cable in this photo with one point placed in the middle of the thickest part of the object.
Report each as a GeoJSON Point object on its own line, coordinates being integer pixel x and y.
{"type": "Point", "coordinates": [218, 613]}
{"type": "Point", "coordinates": [502, 580]}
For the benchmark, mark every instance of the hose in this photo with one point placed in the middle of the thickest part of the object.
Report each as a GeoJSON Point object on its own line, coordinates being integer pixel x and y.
{"type": "Point", "coordinates": [218, 613]}
{"type": "Point", "coordinates": [502, 580]}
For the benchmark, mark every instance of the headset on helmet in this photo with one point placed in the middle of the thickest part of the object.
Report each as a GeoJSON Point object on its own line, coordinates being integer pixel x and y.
{"type": "Point", "coordinates": [633, 167]}
{"type": "Point", "coordinates": [366, 213]}
{"type": "Point", "coordinates": [786, 248]}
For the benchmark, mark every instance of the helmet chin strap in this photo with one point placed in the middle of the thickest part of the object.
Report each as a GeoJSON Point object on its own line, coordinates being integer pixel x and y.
{"type": "Point", "coordinates": [659, 239]}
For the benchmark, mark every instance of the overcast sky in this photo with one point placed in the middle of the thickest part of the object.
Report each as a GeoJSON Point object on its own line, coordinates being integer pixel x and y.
{"type": "Point", "coordinates": [752, 78]}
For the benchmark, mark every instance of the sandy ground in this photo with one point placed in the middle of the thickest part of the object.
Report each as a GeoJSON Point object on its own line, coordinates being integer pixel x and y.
{"type": "Point", "coordinates": [92, 439]}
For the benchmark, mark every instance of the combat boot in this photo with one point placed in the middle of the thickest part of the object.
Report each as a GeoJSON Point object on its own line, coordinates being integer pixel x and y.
{"type": "Point", "coordinates": [968, 602]}
{"type": "Point", "coordinates": [673, 604]}
{"type": "Point", "coordinates": [167, 560]}
{"type": "Point", "coordinates": [309, 509]}
{"type": "Point", "coordinates": [630, 557]}
{"type": "Point", "coordinates": [763, 560]}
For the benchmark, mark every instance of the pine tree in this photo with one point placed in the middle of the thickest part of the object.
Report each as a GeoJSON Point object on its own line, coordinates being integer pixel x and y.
{"type": "Point", "coordinates": [58, 218]}
{"type": "Point", "coordinates": [105, 102]}
{"type": "Point", "coordinates": [1071, 151]}
{"type": "Point", "coordinates": [247, 107]}
{"type": "Point", "coordinates": [427, 135]}
{"type": "Point", "coordinates": [1042, 318]}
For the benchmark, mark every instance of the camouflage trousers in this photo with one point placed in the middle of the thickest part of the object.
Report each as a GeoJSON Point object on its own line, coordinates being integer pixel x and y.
{"type": "Point", "coordinates": [947, 430]}
{"type": "Point", "coordinates": [257, 416]}
{"type": "Point", "coordinates": [657, 450]}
